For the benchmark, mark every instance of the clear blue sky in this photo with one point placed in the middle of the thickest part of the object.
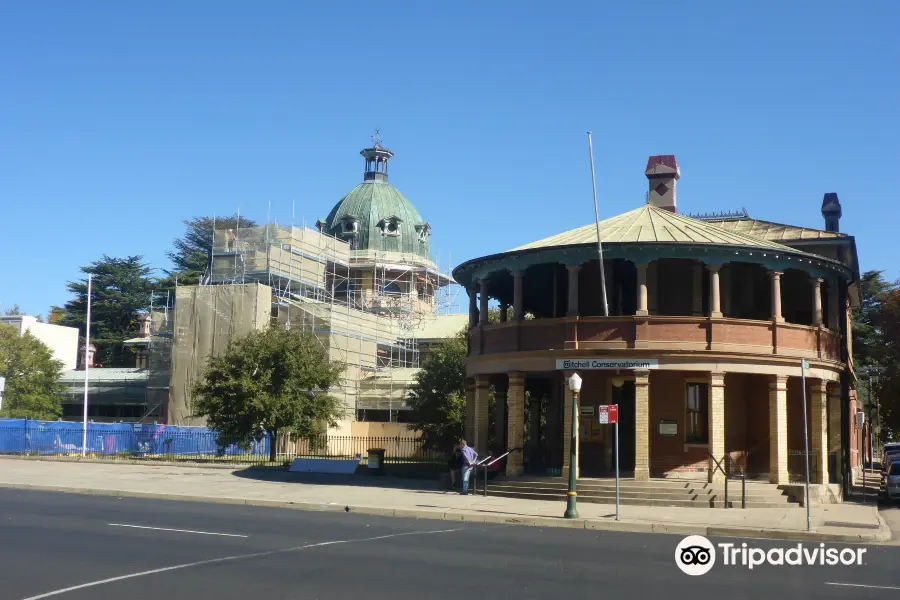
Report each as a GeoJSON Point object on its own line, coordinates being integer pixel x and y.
{"type": "Point", "coordinates": [118, 120]}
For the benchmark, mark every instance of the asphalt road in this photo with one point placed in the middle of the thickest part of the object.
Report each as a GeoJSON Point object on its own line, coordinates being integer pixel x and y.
{"type": "Point", "coordinates": [50, 543]}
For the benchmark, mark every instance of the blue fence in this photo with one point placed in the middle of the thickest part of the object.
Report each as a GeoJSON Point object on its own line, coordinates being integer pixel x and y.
{"type": "Point", "coordinates": [22, 436]}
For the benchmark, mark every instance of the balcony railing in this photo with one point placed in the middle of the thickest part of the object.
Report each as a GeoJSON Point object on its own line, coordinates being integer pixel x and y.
{"type": "Point", "coordinates": [696, 334]}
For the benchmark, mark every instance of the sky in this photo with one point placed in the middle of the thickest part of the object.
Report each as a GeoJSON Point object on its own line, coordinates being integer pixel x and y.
{"type": "Point", "coordinates": [119, 120]}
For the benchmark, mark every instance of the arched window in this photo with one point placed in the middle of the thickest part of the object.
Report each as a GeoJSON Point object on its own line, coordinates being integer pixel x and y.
{"type": "Point", "coordinates": [392, 289]}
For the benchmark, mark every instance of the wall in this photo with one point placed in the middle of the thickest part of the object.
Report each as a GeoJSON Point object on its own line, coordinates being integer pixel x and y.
{"type": "Point", "coordinates": [671, 455]}
{"type": "Point", "coordinates": [370, 429]}
{"type": "Point", "coordinates": [62, 341]}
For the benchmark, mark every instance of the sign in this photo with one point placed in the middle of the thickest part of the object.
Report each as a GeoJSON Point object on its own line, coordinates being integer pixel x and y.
{"type": "Point", "coordinates": [593, 364]}
{"type": "Point", "coordinates": [608, 413]}
{"type": "Point", "coordinates": [668, 428]}
{"type": "Point", "coordinates": [804, 364]}
{"type": "Point", "coordinates": [587, 410]}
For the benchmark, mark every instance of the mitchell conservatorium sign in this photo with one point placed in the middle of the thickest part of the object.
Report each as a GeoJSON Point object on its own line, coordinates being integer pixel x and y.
{"type": "Point", "coordinates": [575, 364]}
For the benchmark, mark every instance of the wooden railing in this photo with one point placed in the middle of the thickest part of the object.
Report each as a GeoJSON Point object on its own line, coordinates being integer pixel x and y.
{"type": "Point", "coordinates": [740, 336]}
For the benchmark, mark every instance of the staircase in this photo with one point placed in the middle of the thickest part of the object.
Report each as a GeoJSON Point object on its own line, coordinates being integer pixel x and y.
{"type": "Point", "coordinates": [656, 492]}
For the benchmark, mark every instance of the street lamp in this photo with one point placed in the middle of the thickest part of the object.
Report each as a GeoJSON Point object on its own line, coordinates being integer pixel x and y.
{"type": "Point", "coordinates": [571, 507]}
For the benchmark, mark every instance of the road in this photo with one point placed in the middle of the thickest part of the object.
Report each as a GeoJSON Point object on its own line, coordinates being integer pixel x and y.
{"type": "Point", "coordinates": [76, 547]}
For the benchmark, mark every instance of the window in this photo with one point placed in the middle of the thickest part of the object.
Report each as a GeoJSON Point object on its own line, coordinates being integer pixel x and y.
{"type": "Point", "coordinates": [696, 413]}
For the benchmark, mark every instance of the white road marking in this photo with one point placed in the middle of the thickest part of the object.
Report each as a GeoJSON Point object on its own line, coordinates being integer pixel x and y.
{"type": "Point", "coordinates": [227, 559]}
{"type": "Point", "coordinates": [176, 530]}
{"type": "Point", "coordinates": [860, 585]}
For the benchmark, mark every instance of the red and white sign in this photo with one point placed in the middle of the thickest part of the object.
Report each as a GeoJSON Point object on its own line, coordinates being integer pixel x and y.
{"type": "Point", "coordinates": [608, 414]}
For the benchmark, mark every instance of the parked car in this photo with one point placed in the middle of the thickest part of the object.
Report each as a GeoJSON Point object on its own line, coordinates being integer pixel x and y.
{"type": "Point", "coordinates": [892, 485]}
{"type": "Point", "coordinates": [891, 451]}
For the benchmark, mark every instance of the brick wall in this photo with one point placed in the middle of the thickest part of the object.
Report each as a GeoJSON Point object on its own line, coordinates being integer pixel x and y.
{"type": "Point", "coordinates": [669, 454]}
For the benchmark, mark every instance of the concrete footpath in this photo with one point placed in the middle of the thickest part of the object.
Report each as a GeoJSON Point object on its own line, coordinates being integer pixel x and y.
{"type": "Point", "coordinates": [424, 499]}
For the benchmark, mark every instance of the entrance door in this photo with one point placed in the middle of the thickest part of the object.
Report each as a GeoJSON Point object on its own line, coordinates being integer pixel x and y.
{"type": "Point", "coordinates": [624, 397]}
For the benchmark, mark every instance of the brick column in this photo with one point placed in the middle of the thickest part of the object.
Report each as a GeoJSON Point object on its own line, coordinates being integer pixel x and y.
{"type": "Point", "coordinates": [567, 430]}
{"type": "Point", "coordinates": [715, 301]}
{"type": "Point", "coordinates": [518, 313]}
{"type": "Point", "coordinates": [470, 411]}
{"type": "Point", "coordinates": [834, 427]}
{"type": "Point", "coordinates": [778, 449]}
{"type": "Point", "coordinates": [716, 424]}
{"type": "Point", "coordinates": [697, 293]}
{"type": "Point", "coordinates": [642, 293]}
{"type": "Point", "coordinates": [819, 424]}
{"type": "Point", "coordinates": [816, 284]}
{"type": "Point", "coordinates": [483, 313]}
{"type": "Point", "coordinates": [573, 290]}
{"type": "Point", "coordinates": [500, 411]}
{"type": "Point", "coordinates": [776, 296]}
{"type": "Point", "coordinates": [515, 423]}
{"type": "Point", "coordinates": [482, 398]}
{"type": "Point", "coordinates": [642, 425]}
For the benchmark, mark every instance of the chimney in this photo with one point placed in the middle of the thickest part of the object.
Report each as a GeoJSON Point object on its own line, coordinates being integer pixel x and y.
{"type": "Point", "coordinates": [831, 210]}
{"type": "Point", "coordinates": [663, 172]}
{"type": "Point", "coordinates": [144, 325]}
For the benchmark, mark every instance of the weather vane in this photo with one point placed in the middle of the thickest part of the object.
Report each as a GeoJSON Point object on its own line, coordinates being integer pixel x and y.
{"type": "Point", "coordinates": [377, 137]}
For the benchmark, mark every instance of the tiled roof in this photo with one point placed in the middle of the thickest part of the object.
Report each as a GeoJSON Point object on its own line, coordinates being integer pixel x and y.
{"type": "Point", "coordinates": [774, 232]}
{"type": "Point", "coordinates": [656, 225]}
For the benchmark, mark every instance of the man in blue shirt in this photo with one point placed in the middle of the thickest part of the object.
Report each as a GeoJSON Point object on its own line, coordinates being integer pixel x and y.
{"type": "Point", "coordinates": [469, 459]}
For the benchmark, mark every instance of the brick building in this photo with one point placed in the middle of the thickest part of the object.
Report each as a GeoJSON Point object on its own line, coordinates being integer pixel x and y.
{"type": "Point", "coordinates": [709, 320]}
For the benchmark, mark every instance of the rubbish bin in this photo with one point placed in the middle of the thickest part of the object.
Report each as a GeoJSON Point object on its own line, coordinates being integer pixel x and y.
{"type": "Point", "coordinates": [375, 461]}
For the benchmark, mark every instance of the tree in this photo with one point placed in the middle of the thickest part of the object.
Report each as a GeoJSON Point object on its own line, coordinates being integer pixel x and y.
{"type": "Point", "coordinates": [271, 382]}
{"type": "Point", "coordinates": [121, 289]}
{"type": "Point", "coordinates": [438, 397]}
{"type": "Point", "coordinates": [191, 253]}
{"type": "Point", "coordinates": [56, 315]}
{"type": "Point", "coordinates": [13, 311]}
{"type": "Point", "coordinates": [33, 389]}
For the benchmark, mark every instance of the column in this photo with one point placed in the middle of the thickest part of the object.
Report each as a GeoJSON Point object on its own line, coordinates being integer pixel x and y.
{"type": "Point", "coordinates": [778, 450]}
{"type": "Point", "coordinates": [716, 425]}
{"type": "Point", "coordinates": [567, 429]}
{"type": "Point", "coordinates": [504, 312]}
{"type": "Point", "coordinates": [715, 299]}
{"type": "Point", "coordinates": [833, 302]}
{"type": "Point", "coordinates": [776, 296]}
{"type": "Point", "coordinates": [470, 411]}
{"type": "Point", "coordinates": [482, 399]}
{"type": "Point", "coordinates": [518, 313]}
{"type": "Point", "coordinates": [834, 428]}
{"type": "Point", "coordinates": [515, 423]}
{"type": "Point", "coordinates": [642, 425]}
{"type": "Point", "coordinates": [473, 307]}
{"type": "Point", "coordinates": [573, 290]}
{"type": "Point", "coordinates": [652, 288]}
{"type": "Point", "coordinates": [816, 284]}
{"type": "Point", "coordinates": [483, 312]}
{"type": "Point", "coordinates": [819, 424]}
{"type": "Point", "coordinates": [697, 294]}
{"type": "Point", "coordinates": [642, 310]}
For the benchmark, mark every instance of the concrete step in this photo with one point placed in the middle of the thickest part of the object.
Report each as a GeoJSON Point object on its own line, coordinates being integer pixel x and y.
{"type": "Point", "coordinates": [652, 486]}
{"type": "Point", "coordinates": [649, 500]}
{"type": "Point", "coordinates": [773, 495]}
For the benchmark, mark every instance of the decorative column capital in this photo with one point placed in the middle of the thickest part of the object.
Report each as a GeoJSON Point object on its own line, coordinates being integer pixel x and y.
{"type": "Point", "coordinates": [778, 383]}
{"type": "Point", "coordinates": [816, 281]}
{"type": "Point", "coordinates": [716, 379]}
{"type": "Point", "coordinates": [776, 274]}
{"type": "Point", "coordinates": [482, 381]}
{"type": "Point", "coordinates": [516, 378]}
{"type": "Point", "coordinates": [573, 268]}
{"type": "Point", "coordinates": [818, 386]}
{"type": "Point", "coordinates": [714, 268]}
{"type": "Point", "coordinates": [518, 274]}
{"type": "Point", "coordinates": [641, 377]}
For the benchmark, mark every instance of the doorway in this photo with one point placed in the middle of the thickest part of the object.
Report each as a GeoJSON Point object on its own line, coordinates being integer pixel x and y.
{"type": "Point", "coordinates": [597, 442]}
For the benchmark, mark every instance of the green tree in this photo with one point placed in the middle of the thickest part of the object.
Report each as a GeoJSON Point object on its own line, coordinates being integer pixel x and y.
{"type": "Point", "coordinates": [191, 253]}
{"type": "Point", "coordinates": [271, 382]}
{"type": "Point", "coordinates": [121, 289]}
{"type": "Point", "coordinates": [13, 311]}
{"type": "Point", "coordinates": [438, 397]}
{"type": "Point", "coordinates": [33, 389]}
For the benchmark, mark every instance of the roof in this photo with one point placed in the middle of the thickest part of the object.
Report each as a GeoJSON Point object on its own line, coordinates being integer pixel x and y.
{"type": "Point", "coordinates": [774, 232]}
{"type": "Point", "coordinates": [665, 160]}
{"type": "Point", "coordinates": [650, 224]}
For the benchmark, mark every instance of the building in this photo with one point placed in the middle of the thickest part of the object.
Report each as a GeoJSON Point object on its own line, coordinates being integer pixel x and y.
{"type": "Point", "coordinates": [364, 280]}
{"type": "Point", "coordinates": [709, 319]}
{"type": "Point", "coordinates": [62, 341]}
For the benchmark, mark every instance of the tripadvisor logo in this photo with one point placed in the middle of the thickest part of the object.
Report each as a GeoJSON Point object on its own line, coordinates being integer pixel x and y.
{"type": "Point", "coordinates": [696, 555]}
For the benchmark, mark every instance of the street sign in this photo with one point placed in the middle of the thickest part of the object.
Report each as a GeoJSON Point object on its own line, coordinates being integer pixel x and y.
{"type": "Point", "coordinates": [804, 364]}
{"type": "Point", "coordinates": [608, 414]}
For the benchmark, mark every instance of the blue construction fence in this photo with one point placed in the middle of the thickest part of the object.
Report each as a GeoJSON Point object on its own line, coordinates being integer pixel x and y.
{"type": "Point", "coordinates": [24, 436]}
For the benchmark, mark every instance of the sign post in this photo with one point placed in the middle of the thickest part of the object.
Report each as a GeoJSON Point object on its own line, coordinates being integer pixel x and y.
{"type": "Point", "coordinates": [608, 414]}
{"type": "Point", "coordinates": [804, 365]}
{"type": "Point", "coordinates": [2, 387]}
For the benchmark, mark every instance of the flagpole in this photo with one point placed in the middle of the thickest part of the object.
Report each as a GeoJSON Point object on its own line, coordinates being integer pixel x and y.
{"type": "Point", "coordinates": [87, 346]}
{"type": "Point", "coordinates": [597, 221]}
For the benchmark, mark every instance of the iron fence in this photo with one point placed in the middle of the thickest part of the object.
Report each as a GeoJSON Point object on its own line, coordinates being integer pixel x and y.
{"type": "Point", "coordinates": [796, 473]}
{"type": "Point", "coordinates": [125, 441]}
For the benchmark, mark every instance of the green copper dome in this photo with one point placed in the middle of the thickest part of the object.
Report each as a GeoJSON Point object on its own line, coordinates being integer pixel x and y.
{"type": "Point", "coordinates": [376, 216]}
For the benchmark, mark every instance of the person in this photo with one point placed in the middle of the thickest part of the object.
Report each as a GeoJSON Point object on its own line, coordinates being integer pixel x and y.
{"type": "Point", "coordinates": [455, 464]}
{"type": "Point", "coordinates": [469, 459]}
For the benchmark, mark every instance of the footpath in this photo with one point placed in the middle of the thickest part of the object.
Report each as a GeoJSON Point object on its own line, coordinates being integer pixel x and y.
{"type": "Point", "coordinates": [848, 522]}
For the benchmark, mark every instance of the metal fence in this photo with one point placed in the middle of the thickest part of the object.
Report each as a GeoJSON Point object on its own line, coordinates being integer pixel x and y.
{"type": "Point", "coordinates": [796, 473]}
{"type": "Point", "coordinates": [127, 441]}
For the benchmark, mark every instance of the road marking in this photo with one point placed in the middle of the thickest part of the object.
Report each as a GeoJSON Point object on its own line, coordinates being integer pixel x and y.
{"type": "Point", "coordinates": [860, 585]}
{"type": "Point", "coordinates": [213, 561]}
{"type": "Point", "coordinates": [176, 530]}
